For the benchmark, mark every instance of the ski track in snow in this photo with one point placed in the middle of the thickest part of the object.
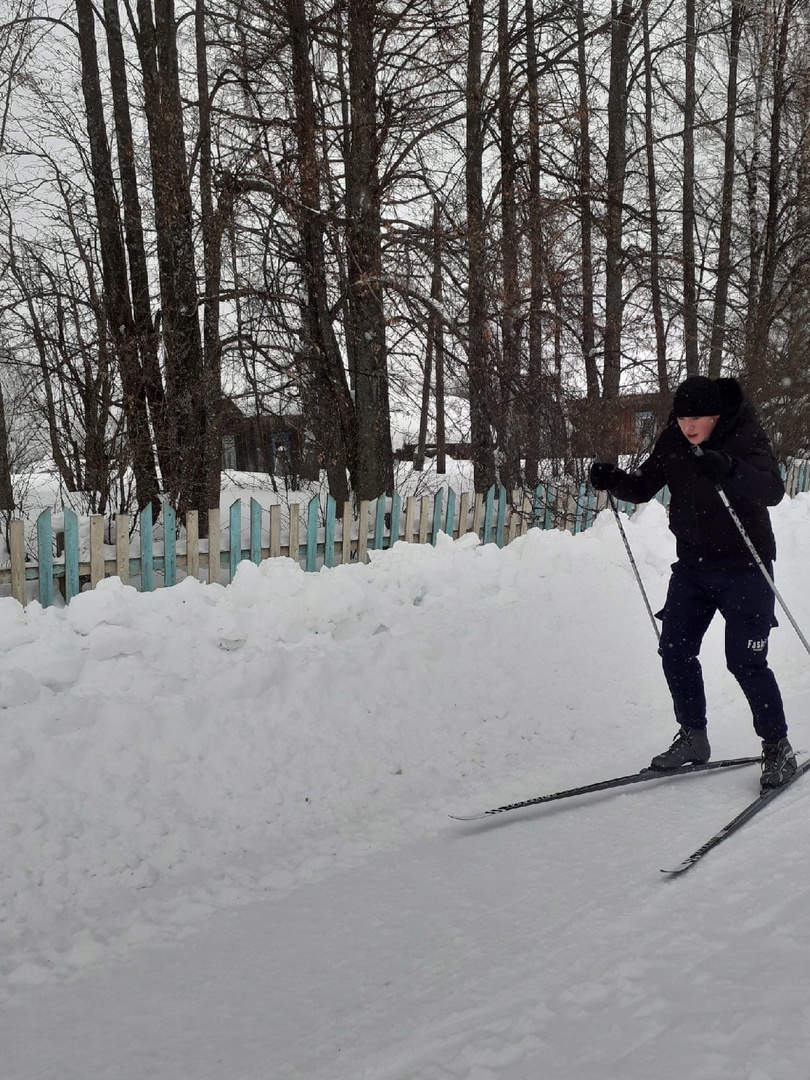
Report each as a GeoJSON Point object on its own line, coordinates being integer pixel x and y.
{"type": "Point", "coordinates": [225, 850]}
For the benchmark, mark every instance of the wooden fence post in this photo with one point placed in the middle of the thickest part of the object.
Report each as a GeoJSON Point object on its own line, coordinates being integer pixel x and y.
{"type": "Point", "coordinates": [275, 530]}
{"type": "Point", "coordinates": [193, 544]}
{"type": "Point", "coordinates": [437, 516]}
{"type": "Point", "coordinates": [96, 549]}
{"type": "Point", "coordinates": [214, 545]}
{"type": "Point", "coordinates": [362, 533]}
{"type": "Point", "coordinates": [295, 532]}
{"type": "Point", "coordinates": [16, 544]}
{"type": "Point", "coordinates": [410, 510]}
{"type": "Point", "coordinates": [424, 503]}
{"type": "Point", "coordinates": [122, 547]}
{"type": "Point", "coordinates": [478, 513]}
{"type": "Point", "coordinates": [463, 513]}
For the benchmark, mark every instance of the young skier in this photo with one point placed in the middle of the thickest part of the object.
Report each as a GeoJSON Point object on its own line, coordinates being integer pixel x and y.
{"type": "Point", "coordinates": [715, 571]}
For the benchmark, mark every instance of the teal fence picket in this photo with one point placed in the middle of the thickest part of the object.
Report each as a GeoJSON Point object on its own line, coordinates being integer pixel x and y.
{"type": "Point", "coordinates": [396, 518]}
{"type": "Point", "coordinates": [255, 531]}
{"type": "Point", "coordinates": [379, 524]}
{"type": "Point", "coordinates": [312, 534]}
{"type": "Point", "coordinates": [71, 555]}
{"type": "Point", "coordinates": [488, 505]}
{"type": "Point", "coordinates": [329, 538]}
{"type": "Point", "coordinates": [169, 545]}
{"type": "Point", "coordinates": [234, 537]}
{"type": "Point", "coordinates": [45, 558]}
{"type": "Point", "coordinates": [501, 520]}
{"type": "Point", "coordinates": [450, 517]}
{"type": "Point", "coordinates": [551, 498]}
{"type": "Point", "coordinates": [147, 550]}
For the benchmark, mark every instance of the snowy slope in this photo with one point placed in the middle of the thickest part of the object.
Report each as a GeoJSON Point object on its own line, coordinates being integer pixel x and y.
{"type": "Point", "coordinates": [225, 849]}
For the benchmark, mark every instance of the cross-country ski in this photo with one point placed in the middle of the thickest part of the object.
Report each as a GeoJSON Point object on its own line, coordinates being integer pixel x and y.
{"type": "Point", "coordinates": [642, 777]}
{"type": "Point", "coordinates": [744, 815]}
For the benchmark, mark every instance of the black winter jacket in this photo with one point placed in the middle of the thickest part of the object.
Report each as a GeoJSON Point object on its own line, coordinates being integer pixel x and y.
{"type": "Point", "coordinates": [702, 525]}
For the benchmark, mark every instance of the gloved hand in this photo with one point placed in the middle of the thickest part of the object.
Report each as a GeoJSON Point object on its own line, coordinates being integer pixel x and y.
{"type": "Point", "coordinates": [714, 465]}
{"type": "Point", "coordinates": [605, 475]}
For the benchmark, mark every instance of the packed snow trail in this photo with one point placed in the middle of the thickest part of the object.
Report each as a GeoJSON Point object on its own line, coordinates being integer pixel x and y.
{"type": "Point", "coordinates": [547, 946]}
{"type": "Point", "coordinates": [225, 849]}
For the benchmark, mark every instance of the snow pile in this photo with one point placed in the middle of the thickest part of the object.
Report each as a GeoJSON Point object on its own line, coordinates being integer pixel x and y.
{"type": "Point", "coordinates": [164, 755]}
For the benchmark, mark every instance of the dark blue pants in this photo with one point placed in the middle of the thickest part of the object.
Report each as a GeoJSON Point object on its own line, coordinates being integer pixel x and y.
{"type": "Point", "coordinates": [746, 602]}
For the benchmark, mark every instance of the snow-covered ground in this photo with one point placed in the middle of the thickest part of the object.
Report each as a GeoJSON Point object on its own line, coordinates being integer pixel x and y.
{"type": "Point", "coordinates": [225, 850]}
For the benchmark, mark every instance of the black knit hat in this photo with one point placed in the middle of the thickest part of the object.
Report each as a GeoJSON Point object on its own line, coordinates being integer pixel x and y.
{"type": "Point", "coordinates": [697, 396]}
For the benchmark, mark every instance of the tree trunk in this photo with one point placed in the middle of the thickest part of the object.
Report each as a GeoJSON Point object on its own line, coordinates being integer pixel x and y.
{"type": "Point", "coordinates": [325, 389]}
{"type": "Point", "coordinates": [187, 425]}
{"type": "Point", "coordinates": [690, 332]}
{"type": "Point", "coordinates": [145, 333]}
{"type": "Point", "coordinates": [437, 295]}
{"type": "Point", "coordinates": [212, 224]}
{"type": "Point", "coordinates": [533, 399]}
{"type": "Point", "coordinates": [756, 357]}
{"type": "Point", "coordinates": [621, 25]}
{"type": "Point", "coordinates": [652, 190]}
{"type": "Point", "coordinates": [433, 347]}
{"type": "Point", "coordinates": [365, 325]}
{"type": "Point", "coordinates": [483, 453]}
{"type": "Point", "coordinates": [726, 204]}
{"type": "Point", "coordinates": [585, 213]}
{"type": "Point", "coordinates": [119, 321]}
{"type": "Point", "coordinates": [510, 344]}
{"type": "Point", "coordinates": [6, 487]}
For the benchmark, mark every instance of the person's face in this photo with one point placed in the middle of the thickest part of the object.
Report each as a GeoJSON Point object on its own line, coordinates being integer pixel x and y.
{"type": "Point", "coordinates": [697, 429]}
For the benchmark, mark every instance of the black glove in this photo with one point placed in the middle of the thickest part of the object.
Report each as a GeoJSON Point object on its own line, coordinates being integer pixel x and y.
{"type": "Point", "coordinates": [605, 475]}
{"type": "Point", "coordinates": [714, 465]}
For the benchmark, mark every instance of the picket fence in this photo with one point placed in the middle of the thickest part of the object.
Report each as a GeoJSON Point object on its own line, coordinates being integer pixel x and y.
{"type": "Point", "coordinates": [316, 537]}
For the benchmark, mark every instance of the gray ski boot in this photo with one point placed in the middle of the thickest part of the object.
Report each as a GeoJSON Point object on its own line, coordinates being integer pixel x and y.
{"type": "Point", "coordinates": [690, 747]}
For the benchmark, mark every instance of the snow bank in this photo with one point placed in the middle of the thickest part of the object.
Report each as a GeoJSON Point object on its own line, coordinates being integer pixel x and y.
{"type": "Point", "coordinates": [163, 755]}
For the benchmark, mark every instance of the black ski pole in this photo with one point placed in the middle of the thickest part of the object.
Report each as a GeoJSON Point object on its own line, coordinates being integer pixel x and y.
{"type": "Point", "coordinates": [748, 543]}
{"type": "Point", "coordinates": [628, 549]}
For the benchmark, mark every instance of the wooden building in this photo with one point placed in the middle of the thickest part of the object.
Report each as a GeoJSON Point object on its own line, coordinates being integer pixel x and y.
{"type": "Point", "coordinates": [279, 445]}
{"type": "Point", "coordinates": [638, 418]}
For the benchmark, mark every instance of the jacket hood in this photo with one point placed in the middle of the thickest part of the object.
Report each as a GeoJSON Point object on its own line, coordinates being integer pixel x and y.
{"type": "Point", "coordinates": [731, 395]}
{"type": "Point", "coordinates": [735, 408]}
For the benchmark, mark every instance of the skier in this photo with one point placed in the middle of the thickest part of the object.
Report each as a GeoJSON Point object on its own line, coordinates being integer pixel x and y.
{"type": "Point", "coordinates": [714, 571]}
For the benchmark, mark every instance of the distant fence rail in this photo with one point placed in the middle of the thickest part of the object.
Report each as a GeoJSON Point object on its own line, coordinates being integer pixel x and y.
{"type": "Point", "coordinates": [315, 535]}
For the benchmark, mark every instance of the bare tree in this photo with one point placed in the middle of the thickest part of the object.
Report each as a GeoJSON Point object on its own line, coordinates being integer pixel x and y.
{"type": "Point", "coordinates": [365, 323]}
{"type": "Point", "coordinates": [478, 332]}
